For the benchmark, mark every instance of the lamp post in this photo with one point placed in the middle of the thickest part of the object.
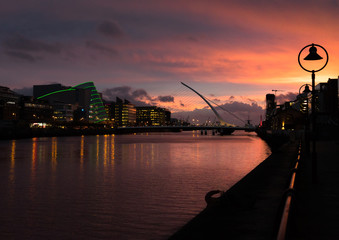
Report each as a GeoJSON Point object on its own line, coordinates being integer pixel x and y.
{"type": "Point", "coordinates": [304, 95]}
{"type": "Point", "coordinates": [313, 56]}
{"type": "Point", "coordinates": [304, 104]}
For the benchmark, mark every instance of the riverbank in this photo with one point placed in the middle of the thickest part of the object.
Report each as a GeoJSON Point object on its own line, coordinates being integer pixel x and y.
{"type": "Point", "coordinates": [249, 209]}
{"type": "Point", "coordinates": [19, 133]}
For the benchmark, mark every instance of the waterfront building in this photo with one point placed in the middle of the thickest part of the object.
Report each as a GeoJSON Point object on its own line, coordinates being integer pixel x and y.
{"type": "Point", "coordinates": [9, 104]}
{"type": "Point", "coordinates": [270, 105]}
{"type": "Point", "coordinates": [63, 112]}
{"type": "Point", "coordinates": [125, 113]}
{"type": "Point", "coordinates": [120, 113]}
{"type": "Point", "coordinates": [327, 116]}
{"type": "Point", "coordinates": [327, 101]}
{"type": "Point", "coordinates": [110, 111]}
{"type": "Point", "coordinates": [79, 115]}
{"type": "Point", "coordinates": [292, 115]}
{"type": "Point", "coordinates": [35, 110]}
{"type": "Point", "coordinates": [288, 116]}
{"type": "Point", "coordinates": [69, 99]}
{"type": "Point", "coordinates": [152, 116]}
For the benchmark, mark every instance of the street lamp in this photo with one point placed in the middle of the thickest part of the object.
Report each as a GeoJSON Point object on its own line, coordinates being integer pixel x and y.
{"type": "Point", "coordinates": [313, 56]}
{"type": "Point", "coordinates": [304, 107]}
{"type": "Point", "coordinates": [304, 97]}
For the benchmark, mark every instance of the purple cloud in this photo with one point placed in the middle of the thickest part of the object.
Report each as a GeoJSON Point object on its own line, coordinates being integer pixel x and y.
{"type": "Point", "coordinates": [110, 29]}
{"type": "Point", "coordinates": [21, 55]}
{"type": "Point", "coordinates": [100, 47]}
{"type": "Point", "coordinates": [282, 98]}
{"type": "Point", "coordinates": [21, 43]}
{"type": "Point", "coordinates": [138, 97]}
{"type": "Point", "coordinates": [166, 98]}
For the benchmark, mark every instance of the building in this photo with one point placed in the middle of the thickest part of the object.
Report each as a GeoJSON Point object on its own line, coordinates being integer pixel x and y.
{"type": "Point", "coordinates": [9, 104]}
{"type": "Point", "coordinates": [35, 110]}
{"type": "Point", "coordinates": [327, 99]}
{"type": "Point", "coordinates": [270, 105]}
{"type": "Point", "coordinates": [152, 116]}
{"type": "Point", "coordinates": [293, 115]}
{"type": "Point", "coordinates": [83, 97]}
{"type": "Point", "coordinates": [121, 113]}
{"type": "Point", "coordinates": [125, 113]}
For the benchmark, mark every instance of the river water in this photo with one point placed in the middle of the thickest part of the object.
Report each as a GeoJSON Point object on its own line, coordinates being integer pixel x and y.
{"type": "Point", "coordinates": [142, 186]}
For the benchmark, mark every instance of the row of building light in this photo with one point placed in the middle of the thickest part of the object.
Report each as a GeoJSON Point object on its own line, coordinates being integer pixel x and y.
{"type": "Point", "coordinates": [80, 103]}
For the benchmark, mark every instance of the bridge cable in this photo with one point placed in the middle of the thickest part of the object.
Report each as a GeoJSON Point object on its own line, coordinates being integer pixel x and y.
{"type": "Point", "coordinates": [226, 110]}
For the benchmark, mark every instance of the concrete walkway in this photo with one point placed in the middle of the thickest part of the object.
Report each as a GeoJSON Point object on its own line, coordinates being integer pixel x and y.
{"type": "Point", "coordinates": [250, 209]}
{"type": "Point", "coordinates": [316, 209]}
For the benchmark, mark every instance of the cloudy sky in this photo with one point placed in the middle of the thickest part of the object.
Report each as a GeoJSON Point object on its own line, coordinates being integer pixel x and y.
{"type": "Point", "coordinates": [231, 51]}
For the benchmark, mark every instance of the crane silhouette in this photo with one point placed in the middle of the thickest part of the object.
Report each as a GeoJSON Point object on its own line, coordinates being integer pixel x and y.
{"type": "Point", "coordinates": [276, 90]}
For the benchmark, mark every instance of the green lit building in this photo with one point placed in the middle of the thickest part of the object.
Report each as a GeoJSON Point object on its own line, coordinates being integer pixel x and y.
{"type": "Point", "coordinates": [82, 98]}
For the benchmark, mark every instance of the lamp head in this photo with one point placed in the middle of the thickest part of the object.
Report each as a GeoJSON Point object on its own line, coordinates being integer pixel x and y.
{"type": "Point", "coordinates": [307, 89]}
{"type": "Point", "coordinates": [313, 55]}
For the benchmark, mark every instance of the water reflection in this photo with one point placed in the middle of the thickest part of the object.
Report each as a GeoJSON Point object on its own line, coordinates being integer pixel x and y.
{"type": "Point", "coordinates": [54, 153]}
{"type": "Point", "coordinates": [102, 150]}
{"type": "Point", "coordinates": [11, 176]}
{"type": "Point", "coordinates": [34, 157]}
{"type": "Point", "coordinates": [150, 164]}
{"type": "Point", "coordinates": [196, 154]}
{"type": "Point", "coordinates": [97, 150]}
{"type": "Point", "coordinates": [82, 149]}
{"type": "Point", "coordinates": [106, 150]}
{"type": "Point", "coordinates": [12, 166]}
{"type": "Point", "coordinates": [32, 190]}
{"type": "Point", "coordinates": [195, 133]}
{"type": "Point", "coordinates": [101, 185]}
{"type": "Point", "coordinates": [112, 149]}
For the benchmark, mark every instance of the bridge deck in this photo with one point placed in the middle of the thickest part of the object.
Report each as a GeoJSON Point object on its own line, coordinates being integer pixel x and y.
{"type": "Point", "coordinates": [188, 128]}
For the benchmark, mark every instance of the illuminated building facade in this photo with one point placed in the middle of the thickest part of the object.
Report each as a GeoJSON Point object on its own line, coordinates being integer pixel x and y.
{"type": "Point", "coordinates": [124, 112]}
{"type": "Point", "coordinates": [152, 116]}
{"type": "Point", "coordinates": [121, 113]}
{"type": "Point", "coordinates": [83, 98]}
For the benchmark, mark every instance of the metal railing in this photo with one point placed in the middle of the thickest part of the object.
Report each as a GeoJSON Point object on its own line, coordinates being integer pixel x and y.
{"type": "Point", "coordinates": [289, 194]}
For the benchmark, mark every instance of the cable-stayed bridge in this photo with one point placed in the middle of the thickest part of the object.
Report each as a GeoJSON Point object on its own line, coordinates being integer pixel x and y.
{"type": "Point", "coordinates": [223, 127]}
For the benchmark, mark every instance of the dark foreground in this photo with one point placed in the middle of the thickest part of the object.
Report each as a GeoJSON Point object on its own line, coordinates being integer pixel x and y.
{"type": "Point", "coordinates": [252, 208]}
{"type": "Point", "coordinates": [316, 210]}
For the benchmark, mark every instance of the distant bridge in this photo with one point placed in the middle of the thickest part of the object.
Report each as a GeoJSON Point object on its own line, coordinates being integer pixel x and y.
{"type": "Point", "coordinates": [223, 123]}
{"type": "Point", "coordinates": [223, 130]}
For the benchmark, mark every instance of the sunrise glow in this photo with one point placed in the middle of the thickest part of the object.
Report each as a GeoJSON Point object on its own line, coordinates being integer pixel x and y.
{"type": "Point", "coordinates": [233, 50]}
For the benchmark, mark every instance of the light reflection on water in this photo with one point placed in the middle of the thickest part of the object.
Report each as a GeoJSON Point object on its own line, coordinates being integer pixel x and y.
{"type": "Point", "coordinates": [116, 186]}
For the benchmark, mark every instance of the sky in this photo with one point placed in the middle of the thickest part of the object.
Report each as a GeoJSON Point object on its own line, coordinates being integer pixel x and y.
{"type": "Point", "coordinates": [233, 52]}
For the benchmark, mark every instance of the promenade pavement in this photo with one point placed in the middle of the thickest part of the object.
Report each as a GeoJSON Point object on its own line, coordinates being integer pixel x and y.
{"type": "Point", "coordinates": [316, 208]}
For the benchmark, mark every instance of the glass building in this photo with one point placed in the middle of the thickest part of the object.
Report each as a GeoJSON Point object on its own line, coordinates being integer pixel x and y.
{"type": "Point", "coordinates": [121, 113]}
{"type": "Point", "coordinates": [152, 116]}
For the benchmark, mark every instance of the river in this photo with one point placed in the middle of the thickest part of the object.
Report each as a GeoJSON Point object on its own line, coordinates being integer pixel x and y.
{"type": "Point", "coordinates": [142, 186]}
